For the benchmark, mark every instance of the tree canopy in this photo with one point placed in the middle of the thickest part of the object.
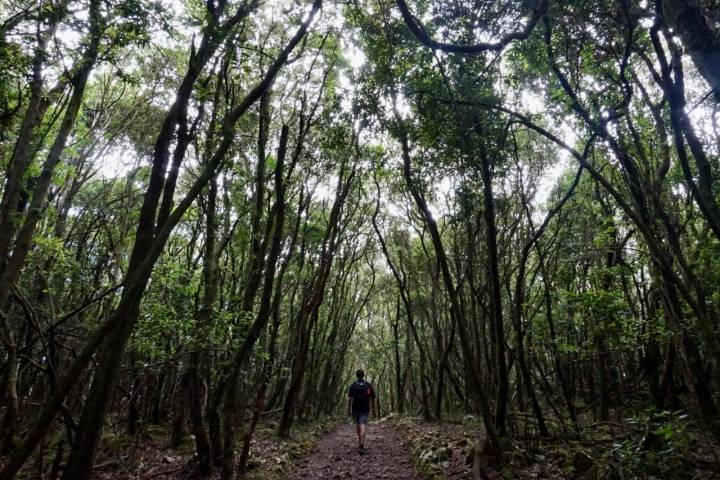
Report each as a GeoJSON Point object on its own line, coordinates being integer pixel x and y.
{"type": "Point", "coordinates": [214, 212]}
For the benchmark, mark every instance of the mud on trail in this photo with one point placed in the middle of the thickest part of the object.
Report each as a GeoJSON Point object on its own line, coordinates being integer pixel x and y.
{"type": "Point", "coordinates": [336, 456]}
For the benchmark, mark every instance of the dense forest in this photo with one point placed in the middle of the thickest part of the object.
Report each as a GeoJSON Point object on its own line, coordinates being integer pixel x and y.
{"type": "Point", "coordinates": [214, 211]}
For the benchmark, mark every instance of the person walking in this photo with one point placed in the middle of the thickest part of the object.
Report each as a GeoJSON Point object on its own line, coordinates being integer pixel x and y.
{"type": "Point", "coordinates": [361, 398]}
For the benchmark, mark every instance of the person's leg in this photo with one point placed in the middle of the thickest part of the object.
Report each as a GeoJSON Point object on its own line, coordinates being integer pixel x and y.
{"type": "Point", "coordinates": [363, 431]}
{"type": "Point", "coordinates": [357, 416]}
{"type": "Point", "coordinates": [362, 421]}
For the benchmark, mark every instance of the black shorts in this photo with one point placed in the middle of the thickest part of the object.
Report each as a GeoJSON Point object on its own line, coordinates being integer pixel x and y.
{"type": "Point", "coordinates": [361, 418]}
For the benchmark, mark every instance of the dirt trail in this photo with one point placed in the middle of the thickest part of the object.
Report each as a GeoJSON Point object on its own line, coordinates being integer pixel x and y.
{"type": "Point", "coordinates": [336, 456]}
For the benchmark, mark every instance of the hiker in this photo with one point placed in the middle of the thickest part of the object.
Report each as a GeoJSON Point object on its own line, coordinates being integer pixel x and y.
{"type": "Point", "coordinates": [361, 396]}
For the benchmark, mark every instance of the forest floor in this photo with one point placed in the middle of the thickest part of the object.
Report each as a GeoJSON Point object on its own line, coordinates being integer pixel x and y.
{"type": "Point", "coordinates": [148, 456]}
{"type": "Point", "coordinates": [408, 448]}
{"type": "Point", "coordinates": [336, 456]}
{"type": "Point", "coordinates": [314, 452]}
{"type": "Point", "coordinates": [605, 451]}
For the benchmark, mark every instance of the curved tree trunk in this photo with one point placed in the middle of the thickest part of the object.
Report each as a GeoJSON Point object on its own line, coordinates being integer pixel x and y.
{"type": "Point", "coordinates": [701, 41]}
{"type": "Point", "coordinates": [455, 309]}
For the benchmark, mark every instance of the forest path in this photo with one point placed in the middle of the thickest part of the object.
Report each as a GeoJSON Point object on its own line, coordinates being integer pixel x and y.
{"type": "Point", "coordinates": [336, 456]}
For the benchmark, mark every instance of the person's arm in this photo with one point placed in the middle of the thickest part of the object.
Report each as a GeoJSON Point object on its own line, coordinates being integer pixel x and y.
{"type": "Point", "coordinates": [374, 404]}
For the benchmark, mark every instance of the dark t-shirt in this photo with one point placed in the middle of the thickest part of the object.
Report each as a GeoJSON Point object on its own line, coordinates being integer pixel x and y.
{"type": "Point", "coordinates": [361, 393]}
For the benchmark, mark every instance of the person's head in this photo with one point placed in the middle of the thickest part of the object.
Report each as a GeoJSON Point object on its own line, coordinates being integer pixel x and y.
{"type": "Point", "coordinates": [360, 374]}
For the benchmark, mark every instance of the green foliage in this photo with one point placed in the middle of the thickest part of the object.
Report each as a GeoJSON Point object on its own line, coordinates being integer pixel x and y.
{"type": "Point", "coordinates": [625, 273]}
{"type": "Point", "coordinates": [167, 324]}
{"type": "Point", "coordinates": [666, 457]}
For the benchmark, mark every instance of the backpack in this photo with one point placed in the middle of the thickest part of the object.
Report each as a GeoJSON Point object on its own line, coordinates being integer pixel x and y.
{"type": "Point", "coordinates": [362, 390]}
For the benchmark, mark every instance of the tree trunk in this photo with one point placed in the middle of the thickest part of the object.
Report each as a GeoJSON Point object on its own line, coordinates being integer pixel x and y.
{"type": "Point", "coordinates": [148, 247]}
{"type": "Point", "coordinates": [307, 316]}
{"type": "Point", "coordinates": [455, 310]}
{"type": "Point", "coordinates": [210, 289]}
{"type": "Point", "coordinates": [702, 43]}
{"type": "Point", "coordinates": [8, 433]}
{"type": "Point", "coordinates": [495, 293]}
{"type": "Point", "coordinates": [409, 315]}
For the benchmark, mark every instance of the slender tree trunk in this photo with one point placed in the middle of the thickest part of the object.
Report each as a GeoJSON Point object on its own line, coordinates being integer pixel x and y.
{"type": "Point", "coordinates": [10, 420]}
{"type": "Point", "coordinates": [495, 294]}
{"type": "Point", "coordinates": [38, 103]}
{"type": "Point", "coordinates": [179, 429]}
{"type": "Point", "coordinates": [264, 310]}
{"type": "Point", "coordinates": [251, 285]}
{"type": "Point", "coordinates": [157, 403]}
{"type": "Point", "coordinates": [565, 386]}
{"type": "Point", "coordinates": [674, 91]}
{"type": "Point", "coordinates": [409, 314]}
{"type": "Point", "coordinates": [210, 282]}
{"type": "Point", "coordinates": [11, 269]}
{"type": "Point", "coordinates": [146, 241]}
{"type": "Point", "coordinates": [688, 19]}
{"type": "Point", "coordinates": [307, 316]}
{"type": "Point", "coordinates": [399, 384]}
{"type": "Point", "coordinates": [133, 419]}
{"type": "Point", "coordinates": [137, 277]}
{"type": "Point", "coordinates": [456, 311]}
